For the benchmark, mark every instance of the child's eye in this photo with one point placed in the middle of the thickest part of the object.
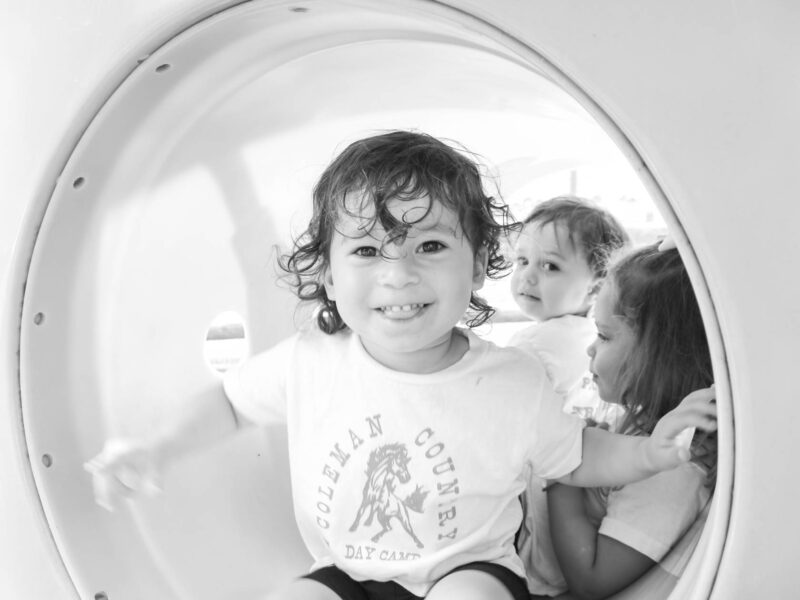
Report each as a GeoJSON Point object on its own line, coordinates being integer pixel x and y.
{"type": "Point", "coordinates": [522, 261]}
{"type": "Point", "coordinates": [432, 246]}
{"type": "Point", "coordinates": [548, 266]}
{"type": "Point", "coordinates": [601, 337]}
{"type": "Point", "coordinates": [366, 251]}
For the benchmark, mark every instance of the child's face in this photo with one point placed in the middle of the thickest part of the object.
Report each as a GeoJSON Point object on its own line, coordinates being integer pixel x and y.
{"type": "Point", "coordinates": [611, 348]}
{"type": "Point", "coordinates": [403, 299]}
{"type": "Point", "coordinates": [551, 277]}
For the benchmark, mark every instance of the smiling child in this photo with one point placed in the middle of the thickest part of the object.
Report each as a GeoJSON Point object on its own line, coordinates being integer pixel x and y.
{"type": "Point", "coordinates": [409, 436]}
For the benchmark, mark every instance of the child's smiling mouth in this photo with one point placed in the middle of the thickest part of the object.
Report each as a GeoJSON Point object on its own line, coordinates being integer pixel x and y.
{"type": "Point", "coordinates": [402, 311]}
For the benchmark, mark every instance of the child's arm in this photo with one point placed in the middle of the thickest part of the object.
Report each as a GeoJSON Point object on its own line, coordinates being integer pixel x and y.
{"type": "Point", "coordinates": [611, 459]}
{"type": "Point", "coordinates": [594, 565]}
{"type": "Point", "coordinates": [127, 467]}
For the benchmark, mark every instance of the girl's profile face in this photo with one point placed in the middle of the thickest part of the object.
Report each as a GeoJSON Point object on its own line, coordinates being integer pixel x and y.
{"type": "Point", "coordinates": [403, 298]}
{"type": "Point", "coordinates": [611, 348]}
{"type": "Point", "coordinates": [551, 276]}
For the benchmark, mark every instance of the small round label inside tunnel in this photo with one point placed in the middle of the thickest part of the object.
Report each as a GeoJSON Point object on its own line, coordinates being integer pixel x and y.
{"type": "Point", "coordinates": [226, 341]}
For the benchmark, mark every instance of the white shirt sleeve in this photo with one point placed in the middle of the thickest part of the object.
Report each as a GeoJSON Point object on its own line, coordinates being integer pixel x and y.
{"type": "Point", "coordinates": [651, 515]}
{"type": "Point", "coordinates": [257, 388]}
{"type": "Point", "coordinates": [560, 344]}
{"type": "Point", "coordinates": [557, 437]}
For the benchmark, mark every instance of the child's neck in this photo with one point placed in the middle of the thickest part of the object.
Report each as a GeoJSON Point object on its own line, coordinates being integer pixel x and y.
{"type": "Point", "coordinates": [435, 358]}
{"type": "Point", "coordinates": [579, 313]}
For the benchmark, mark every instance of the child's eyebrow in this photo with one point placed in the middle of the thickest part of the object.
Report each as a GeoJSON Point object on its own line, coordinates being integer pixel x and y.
{"type": "Point", "coordinates": [554, 253]}
{"type": "Point", "coordinates": [352, 231]}
{"type": "Point", "coordinates": [376, 231]}
{"type": "Point", "coordinates": [441, 227]}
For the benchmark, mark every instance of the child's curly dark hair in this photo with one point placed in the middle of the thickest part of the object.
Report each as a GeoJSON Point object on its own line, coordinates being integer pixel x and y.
{"type": "Point", "coordinates": [372, 172]}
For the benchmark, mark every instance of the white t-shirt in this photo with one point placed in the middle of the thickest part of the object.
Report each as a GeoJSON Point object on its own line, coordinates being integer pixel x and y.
{"type": "Point", "coordinates": [401, 476]}
{"type": "Point", "coordinates": [651, 515]}
{"type": "Point", "coordinates": [560, 345]}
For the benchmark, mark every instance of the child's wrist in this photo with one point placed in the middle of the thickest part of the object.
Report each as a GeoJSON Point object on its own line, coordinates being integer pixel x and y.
{"type": "Point", "coordinates": [661, 457]}
{"type": "Point", "coordinates": [647, 463]}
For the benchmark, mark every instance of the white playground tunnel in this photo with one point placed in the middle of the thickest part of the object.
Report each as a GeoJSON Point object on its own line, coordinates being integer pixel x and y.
{"type": "Point", "coordinates": [153, 152]}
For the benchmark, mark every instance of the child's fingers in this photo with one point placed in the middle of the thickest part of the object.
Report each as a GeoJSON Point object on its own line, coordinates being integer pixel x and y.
{"type": "Point", "coordinates": [673, 433]}
{"type": "Point", "coordinates": [110, 486]}
{"type": "Point", "coordinates": [699, 417]}
{"type": "Point", "coordinates": [109, 491]}
{"type": "Point", "coordinates": [696, 411]}
{"type": "Point", "coordinates": [684, 438]}
{"type": "Point", "coordinates": [141, 479]}
{"type": "Point", "coordinates": [699, 409]}
{"type": "Point", "coordinates": [704, 394]}
{"type": "Point", "coordinates": [121, 471]}
{"type": "Point", "coordinates": [702, 417]}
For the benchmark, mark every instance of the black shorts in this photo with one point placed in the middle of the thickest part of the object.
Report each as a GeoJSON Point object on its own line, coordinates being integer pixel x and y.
{"type": "Point", "coordinates": [350, 589]}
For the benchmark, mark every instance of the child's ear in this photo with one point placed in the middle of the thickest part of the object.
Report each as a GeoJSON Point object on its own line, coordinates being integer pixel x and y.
{"type": "Point", "coordinates": [594, 286]}
{"type": "Point", "coordinates": [479, 268]}
{"type": "Point", "coordinates": [327, 281]}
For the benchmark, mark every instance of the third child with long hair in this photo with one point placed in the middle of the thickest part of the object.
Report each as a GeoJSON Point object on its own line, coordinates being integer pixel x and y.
{"type": "Point", "coordinates": [651, 352]}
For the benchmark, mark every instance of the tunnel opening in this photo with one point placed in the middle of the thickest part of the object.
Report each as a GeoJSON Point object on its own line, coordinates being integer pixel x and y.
{"type": "Point", "coordinates": [167, 215]}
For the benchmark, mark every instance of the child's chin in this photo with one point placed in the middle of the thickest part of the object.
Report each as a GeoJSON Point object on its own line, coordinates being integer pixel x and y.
{"type": "Point", "coordinates": [526, 310]}
{"type": "Point", "coordinates": [532, 309]}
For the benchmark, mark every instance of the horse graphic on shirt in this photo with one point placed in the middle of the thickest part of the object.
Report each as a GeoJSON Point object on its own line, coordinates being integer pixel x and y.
{"type": "Point", "coordinates": [386, 466]}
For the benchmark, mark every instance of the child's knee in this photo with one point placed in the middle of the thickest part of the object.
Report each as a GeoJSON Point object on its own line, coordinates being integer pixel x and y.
{"type": "Point", "coordinates": [469, 585]}
{"type": "Point", "coordinates": [303, 589]}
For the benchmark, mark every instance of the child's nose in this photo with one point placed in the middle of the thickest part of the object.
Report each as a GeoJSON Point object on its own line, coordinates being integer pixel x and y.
{"type": "Point", "coordinates": [590, 350]}
{"type": "Point", "coordinates": [529, 273]}
{"type": "Point", "coordinates": [398, 270]}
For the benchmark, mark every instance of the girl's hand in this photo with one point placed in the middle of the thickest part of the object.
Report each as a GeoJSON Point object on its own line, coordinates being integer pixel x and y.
{"type": "Point", "coordinates": [665, 449]}
{"type": "Point", "coordinates": [124, 469]}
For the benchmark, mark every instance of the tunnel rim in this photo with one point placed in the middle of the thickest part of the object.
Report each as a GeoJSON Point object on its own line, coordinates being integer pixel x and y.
{"type": "Point", "coordinates": [36, 213]}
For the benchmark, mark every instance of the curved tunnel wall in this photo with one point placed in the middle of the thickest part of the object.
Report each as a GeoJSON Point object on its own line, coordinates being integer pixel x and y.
{"type": "Point", "coordinates": [138, 201]}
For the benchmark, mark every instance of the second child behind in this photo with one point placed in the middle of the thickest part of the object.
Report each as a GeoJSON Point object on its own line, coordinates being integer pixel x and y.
{"type": "Point", "coordinates": [560, 259]}
{"type": "Point", "coordinates": [560, 262]}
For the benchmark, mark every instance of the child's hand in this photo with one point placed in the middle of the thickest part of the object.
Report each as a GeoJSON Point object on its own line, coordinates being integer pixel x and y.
{"type": "Point", "coordinates": [666, 448]}
{"type": "Point", "coordinates": [124, 469]}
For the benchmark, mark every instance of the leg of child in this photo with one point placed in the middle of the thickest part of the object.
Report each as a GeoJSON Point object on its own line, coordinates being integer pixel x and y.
{"type": "Point", "coordinates": [304, 589]}
{"type": "Point", "coordinates": [469, 585]}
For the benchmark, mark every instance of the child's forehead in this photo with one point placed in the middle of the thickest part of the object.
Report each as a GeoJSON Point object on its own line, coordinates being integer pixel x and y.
{"type": "Point", "coordinates": [605, 306]}
{"type": "Point", "coordinates": [360, 215]}
{"type": "Point", "coordinates": [550, 236]}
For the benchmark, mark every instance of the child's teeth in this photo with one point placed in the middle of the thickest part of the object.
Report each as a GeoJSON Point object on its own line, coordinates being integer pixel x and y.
{"type": "Point", "coordinates": [403, 308]}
